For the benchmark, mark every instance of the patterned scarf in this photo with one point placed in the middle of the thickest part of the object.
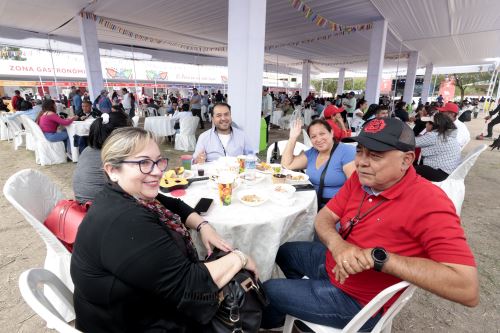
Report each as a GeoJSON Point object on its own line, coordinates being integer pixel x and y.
{"type": "Point", "coordinates": [172, 221]}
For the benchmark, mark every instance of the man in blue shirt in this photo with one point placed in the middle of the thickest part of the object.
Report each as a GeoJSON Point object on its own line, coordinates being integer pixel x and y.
{"type": "Point", "coordinates": [223, 139]}
{"type": "Point", "coordinates": [77, 102]}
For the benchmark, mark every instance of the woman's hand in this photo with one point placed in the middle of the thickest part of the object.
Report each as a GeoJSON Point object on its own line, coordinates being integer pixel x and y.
{"type": "Point", "coordinates": [338, 118]}
{"type": "Point", "coordinates": [210, 238]}
{"type": "Point", "coordinates": [252, 267]}
{"type": "Point", "coordinates": [296, 129]}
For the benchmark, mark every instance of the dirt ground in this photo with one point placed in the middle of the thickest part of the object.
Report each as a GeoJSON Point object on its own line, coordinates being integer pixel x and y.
{"type": "Point", "coordinates": [21, 248]}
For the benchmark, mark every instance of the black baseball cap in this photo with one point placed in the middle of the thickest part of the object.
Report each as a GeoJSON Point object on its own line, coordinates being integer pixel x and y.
{"type": "Point", "coordinates": [385, 134]}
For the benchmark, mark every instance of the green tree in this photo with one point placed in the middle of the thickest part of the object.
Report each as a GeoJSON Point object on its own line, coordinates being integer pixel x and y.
{"type": "Point", "coordinates": [329, 85]}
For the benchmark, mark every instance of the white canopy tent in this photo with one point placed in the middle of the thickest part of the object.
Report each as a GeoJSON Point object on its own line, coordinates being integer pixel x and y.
{"type": "Point", "coordinates": [446, 32]}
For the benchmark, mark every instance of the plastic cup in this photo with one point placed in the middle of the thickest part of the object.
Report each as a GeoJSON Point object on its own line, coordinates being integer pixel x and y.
{"type": "Point", "coordinates": [201, 172]}
{"type": "Point", "coordinates": [186, 161]}
{"type": "Point", "coordinates": [241, 163]}
{"type": "Point", "coordinates": [225, 186]}
{"type": "Point", "coordinates": [276, 168]}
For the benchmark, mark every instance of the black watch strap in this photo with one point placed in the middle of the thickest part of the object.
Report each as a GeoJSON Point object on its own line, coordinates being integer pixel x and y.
{"type": "Point", "coordinates": [380, 257]}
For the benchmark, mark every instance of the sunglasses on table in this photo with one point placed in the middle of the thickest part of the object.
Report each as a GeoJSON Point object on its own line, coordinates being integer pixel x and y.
{"type": "Point", "coordinates": [147, 165]}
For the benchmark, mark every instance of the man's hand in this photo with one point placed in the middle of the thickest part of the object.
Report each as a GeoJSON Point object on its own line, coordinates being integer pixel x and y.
{"type": "Point", "coordinates": [350, 260]}
{"type": "Point", "coordinates": [201, 158]}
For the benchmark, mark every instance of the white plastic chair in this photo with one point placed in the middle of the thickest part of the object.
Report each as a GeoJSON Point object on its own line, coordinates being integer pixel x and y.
{"type": "Point", "coordinates": [153, 112]}
{"type": "Point", "coordinates": [34, 195]}
{"type": "Point", "coordinates": [46, 152]}
{"type": "Point", "coordinates": [384, 324]}
{"type": "Point", "coordinates": [454, 185]}
{"type": "Point", "coordinates": [18, 134]}
{"type": "Point", "coordinates": [299, 147]}
{"type": "Point", "coordinates": [32, 284]}
{"type": "Point", "coordinates": [307, 139]}
{"type": "Point", "coordinates": [135, 121]}
{"type": "Point", "coordinates": [186, 140]}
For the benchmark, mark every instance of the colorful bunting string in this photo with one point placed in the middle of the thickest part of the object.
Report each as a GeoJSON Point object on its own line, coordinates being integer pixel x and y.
{"type": "Point", "coordinates": [106, 23]}
{"type": "Point", "coordinates": [323, 22]}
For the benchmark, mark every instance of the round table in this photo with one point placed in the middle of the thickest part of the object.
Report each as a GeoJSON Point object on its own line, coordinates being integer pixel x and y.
{"type": "Point", "coordinates": [258, 231]}
{"type": "Point", "coordinates": [160, 126]}
{"type": "Point", "coordinates": [80, 128]}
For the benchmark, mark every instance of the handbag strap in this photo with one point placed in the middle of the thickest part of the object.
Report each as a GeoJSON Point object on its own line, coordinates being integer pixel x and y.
{"type": "Point", "coordinates": [322, 178]}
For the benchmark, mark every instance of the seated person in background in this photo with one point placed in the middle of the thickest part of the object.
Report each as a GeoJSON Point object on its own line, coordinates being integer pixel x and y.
{"type": "Point", "coordinates": [88, 178]}
{"type": "Point", "coordinates": [134, 265]}
{"type": "Point", "coordinates": [222, 139]}
{"type": "Point", "coordinates": [401, 112]}
{"type": "Point", "coordinates": [382, 112]}
{"type": "Point", "coordinates": [48, 120]}
{"type": "Point", "coordinates": [333, 116]}
{"type": "Point", "coordinates": [440, 149]}
{"type": "Point", "coordinates": [394, 226]}
{"type": "Point", "coordinates": [420, 125]}
{"type": "Point", "coordinates": [26, 110]}
{"type": "Point", "coordinates": [357, 117]}
{"type": "Point", "coordinates": [3, 106]}
{"type": "Point", "coordinates": [325, 150]}
{"type": "Point", "coordinates": [370, 113]}
{"type": "Point", "coordinates": [287, 109]}
{"type": "Point", "coordinates": [102, 102]}
{"type": "Point", "coordinates": [86, 111]}
{"type": "Point", "coordinates": [463, 135]}
{"type": "Point", "coordinates": [172, 108]}
{"type": "Point", "coordinates": [152, 104]}
{"type": "Point", "coordinates": [181, 114]}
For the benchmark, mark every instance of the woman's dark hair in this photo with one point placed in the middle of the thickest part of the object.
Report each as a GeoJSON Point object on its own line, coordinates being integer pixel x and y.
{"type": "Point", "coordinates": [99, 132]}
{"type": "Point", "coordinates": [370, 112]}
{"type": "Point", "coordinates": [360, 102]}
{"type": "Point", "coordinates": [47, 105]}
{"type": "Point", "coordinates": [319, 121]}
{"type": "Point", "coordinates": [443, 124]}
{"type": "Point", "coordinates": [118, 108]}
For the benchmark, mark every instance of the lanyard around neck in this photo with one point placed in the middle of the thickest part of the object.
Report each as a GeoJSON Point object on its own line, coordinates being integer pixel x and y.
{"type": "Point", "coordinates": [356, 219]}
{"type": "Point", "coordinates": [220, 141]}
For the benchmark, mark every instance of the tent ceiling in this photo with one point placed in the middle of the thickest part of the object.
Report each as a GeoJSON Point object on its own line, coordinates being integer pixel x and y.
{"type": "Point", "coordinates": [446, 32]}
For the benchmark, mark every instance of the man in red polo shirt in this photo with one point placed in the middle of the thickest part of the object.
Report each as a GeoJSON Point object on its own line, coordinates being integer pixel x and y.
{"type": "Point", "coordinates": [393, 225]}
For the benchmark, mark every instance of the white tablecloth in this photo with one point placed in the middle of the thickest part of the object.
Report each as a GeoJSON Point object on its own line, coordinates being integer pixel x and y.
{"type": "Point", "coordinates": [161, 126]}
{"type": "Point", "coordinates": [276, 116]}
{"type": "Point", "coordinates": [81, 128]}
{"type": "Point", "coordinates": [257, 231]}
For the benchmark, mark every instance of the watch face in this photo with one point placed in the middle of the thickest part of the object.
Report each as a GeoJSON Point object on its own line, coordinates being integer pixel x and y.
{"type": "Point", "coordinates": [379, 254]}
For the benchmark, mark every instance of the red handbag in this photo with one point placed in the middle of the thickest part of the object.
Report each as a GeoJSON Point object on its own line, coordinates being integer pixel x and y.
{"type": "Point", "coordinates": [64, 219]}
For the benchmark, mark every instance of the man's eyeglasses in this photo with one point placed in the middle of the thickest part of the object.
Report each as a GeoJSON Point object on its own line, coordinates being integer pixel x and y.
{"type": "Point", "coordinates": [147, 165]}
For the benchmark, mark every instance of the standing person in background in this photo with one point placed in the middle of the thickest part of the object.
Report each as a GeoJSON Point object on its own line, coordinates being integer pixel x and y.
{"type": "Point", "coordinates": [350, 104]}
{"type": "Point", "coordinates": [16, 101]}
{"type": "Point", "coordinates": [205, 101]}
{"type": "Point", "coordinates": [77, 101]}
{"type": "Point", "coordinates": [219, 98]}
{"type": "Point", "coordinates": [267, 109]}
{"type": "Point", "coordinates": [297, 99]}
{"type": "Point", "coordinates": [71, 95]}
{"type": "Point", "coordinates": [127, 102]}
{"type": "Point", "coordinates": [357, 118]}
{"type": "Point", "coordinates": [195, 106]}
{"type": "Point", "coordinates": [103, 103]}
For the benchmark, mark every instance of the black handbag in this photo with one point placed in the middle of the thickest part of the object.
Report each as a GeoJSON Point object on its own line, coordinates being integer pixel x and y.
{"type": "Point", "coordinates": [241, 302]}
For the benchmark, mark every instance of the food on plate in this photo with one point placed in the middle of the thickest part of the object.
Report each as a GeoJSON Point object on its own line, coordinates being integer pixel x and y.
{"type": "Point", "coordinates": [280, 189]}
{"type": "Point", "coordinates": [263, 166]}
{"type": "Point", "coordinates": [251, 198]}
{"type": "Point", "coordinates": [295, 177]}
{"type": "Point", "coordinates": [170, 174]}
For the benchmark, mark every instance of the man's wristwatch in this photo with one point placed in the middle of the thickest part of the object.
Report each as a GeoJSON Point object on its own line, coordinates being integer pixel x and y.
{"type": "Point", "coordinates": [380, 257]}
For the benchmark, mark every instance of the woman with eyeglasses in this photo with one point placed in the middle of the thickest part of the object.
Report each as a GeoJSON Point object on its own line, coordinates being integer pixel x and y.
{"type": "Point", "coordinates": [134, 265]}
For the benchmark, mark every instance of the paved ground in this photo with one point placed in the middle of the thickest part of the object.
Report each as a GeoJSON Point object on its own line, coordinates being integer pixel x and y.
{"type": "Point", "coordinates": [21, 248]}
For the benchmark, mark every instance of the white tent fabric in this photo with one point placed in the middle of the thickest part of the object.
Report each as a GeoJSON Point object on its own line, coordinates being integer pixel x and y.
{"type": "Point", "coordinates": [445, 32]}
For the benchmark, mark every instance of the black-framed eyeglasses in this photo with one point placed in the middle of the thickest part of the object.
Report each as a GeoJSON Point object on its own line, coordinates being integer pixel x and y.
{"type": "Point", "coordinates": [147, 165]}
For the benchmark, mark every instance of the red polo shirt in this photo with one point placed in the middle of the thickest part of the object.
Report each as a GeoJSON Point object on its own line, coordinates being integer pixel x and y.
{"type": "Point", "coordinates": [416, 220]}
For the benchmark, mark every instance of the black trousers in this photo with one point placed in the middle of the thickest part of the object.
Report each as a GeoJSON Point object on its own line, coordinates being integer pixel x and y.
{"type": "Point", "coordinates": [429, 173]}
{"type": "Point", "coordinates": [197, 113]}
{"type": "Point", "coordinates": [267, 119]}
{"type": "Point", "coordinates": [491, 124]}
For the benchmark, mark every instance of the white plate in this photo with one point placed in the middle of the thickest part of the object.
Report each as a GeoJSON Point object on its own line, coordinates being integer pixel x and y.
{"type": "Point", "coordinates": [259, 194]}
{"type": "Point", "coordinates": [303, 177]}
{"type": "Point", "coordinates": [258, 178]}
{"type": "Point", "coordinates": [282, 191]}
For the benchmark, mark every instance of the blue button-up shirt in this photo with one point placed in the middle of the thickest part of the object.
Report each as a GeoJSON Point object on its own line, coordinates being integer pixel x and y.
{"type": "Point", "coordinates": [32, 113]}
{"type": "Point", "coordinates": [210, 143]}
